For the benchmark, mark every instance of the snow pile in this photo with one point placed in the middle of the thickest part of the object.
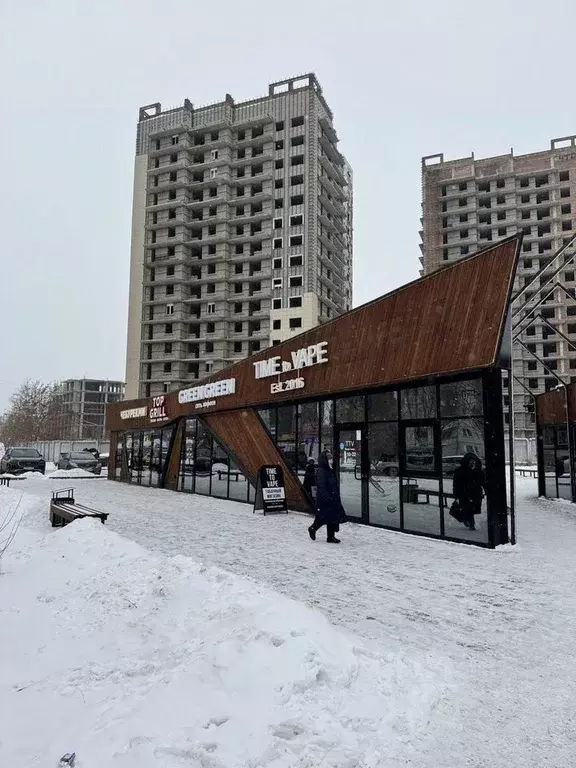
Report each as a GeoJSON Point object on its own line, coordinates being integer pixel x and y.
{"type": "Point", "coordinates": [133, 660]}
{"type": "Point", "coordinates": [74, 473]}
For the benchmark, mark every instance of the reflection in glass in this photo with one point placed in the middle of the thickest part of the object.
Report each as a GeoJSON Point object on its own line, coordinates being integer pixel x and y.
{"type": "Point", "coordinates": [418, 402]}
{"type": "Point", "coordinates": [308, 433]}
{"type": "Point", "coordinates": [327, 426]}
{"type": "Point", "coordinates": [156, 458]}
{"type": "Point", "coordinates": [382, 406]}
{"type": "Point", "coordinates": [347, 466]}
{"type": "Point", "coordinates": [238, 485]}
{"type": "Point", "coordinates": [461, 398]}
{"type": "Point", "coordinates": [188, 456]}
{"type": "Point", "coordinates": [419, 448]}
{"type": "Point", "coordinates": [219, 471]}
{"type": "Point", "coordinates": [421, 508]}
{"type": "Point", "coordinates": [461, 437]}
{"type": "Point", "coordinates": [268, 416]}
{"type": "Point", "coordinates": [203, 463]}
{"type": "Point", "coordinates": [119, 456]}
{"type": "Point", "coordinates": [146, 457]}
{"type": "Point", "coordinates": [350, 409]}
{"type": "Point", "coordinates": [136, 468]}
{"type": "Point", "coordinates": [384, 486]}
{"type": "Point", "coordinates": [286, 440]}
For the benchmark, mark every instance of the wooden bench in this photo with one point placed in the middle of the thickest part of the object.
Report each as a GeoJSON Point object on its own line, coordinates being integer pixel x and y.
{"type": "Point", "coordinates": [427, 493]}
{"type": "Point", "coordinates": [6, 481]}
{"type": "Point", "coordinates": [228, 473]}
{"type": "Point", "coordinates": [63, 509]}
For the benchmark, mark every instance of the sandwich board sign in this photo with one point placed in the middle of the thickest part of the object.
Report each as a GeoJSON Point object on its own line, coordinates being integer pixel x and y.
{"type": "Point", "coordinates": [270, 490]}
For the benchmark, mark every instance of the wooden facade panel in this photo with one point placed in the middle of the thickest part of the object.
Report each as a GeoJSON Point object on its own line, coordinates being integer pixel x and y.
{"type": "Point", "coordinates": [448, 322]}
{"type": "Point", "coordinates": [245, 436]}
{"type": "Point", "coordinates": [551, 406]}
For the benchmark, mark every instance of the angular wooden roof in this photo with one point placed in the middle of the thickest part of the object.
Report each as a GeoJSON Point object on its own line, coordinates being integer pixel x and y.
{"type": "Point", "coordinates": [448, 322]}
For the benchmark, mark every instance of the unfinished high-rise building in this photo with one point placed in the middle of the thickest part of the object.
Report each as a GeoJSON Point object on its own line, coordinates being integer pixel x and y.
{"type": "Point", "coordinates": [468, 203]}
{"type": "Point", "coordinates": [241, 232]}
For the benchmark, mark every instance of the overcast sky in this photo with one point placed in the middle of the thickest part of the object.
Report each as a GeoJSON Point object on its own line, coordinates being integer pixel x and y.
{"type": "Point", "coordinates": [404, 79]}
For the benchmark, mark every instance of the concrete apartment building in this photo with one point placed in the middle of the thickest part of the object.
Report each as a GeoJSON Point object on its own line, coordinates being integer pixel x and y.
{"type": "Point", "coordinates": [241, 232]}
{"type": "Point", "coordinates": [469, 202]}
{"type": "Point", "coordinates": [82, 407]}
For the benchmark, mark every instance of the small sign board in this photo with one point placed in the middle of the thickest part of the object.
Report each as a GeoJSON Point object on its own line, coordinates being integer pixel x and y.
{"type": "Point", "coordinates": [270, 490]}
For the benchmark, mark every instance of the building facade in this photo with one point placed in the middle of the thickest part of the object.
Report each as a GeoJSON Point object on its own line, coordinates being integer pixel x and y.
{"type": "Point", "coordinates": [81, 407]}
{"type": "Point", "coordinates": [241, 232]}
{"type": "Point", "coordinates": [401, 391]}
{"type": "Point", "coordinates": [469, 203]}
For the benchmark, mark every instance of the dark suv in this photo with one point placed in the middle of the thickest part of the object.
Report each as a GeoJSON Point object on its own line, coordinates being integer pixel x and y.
{"type": "Point", "coordinates": [16, 461]}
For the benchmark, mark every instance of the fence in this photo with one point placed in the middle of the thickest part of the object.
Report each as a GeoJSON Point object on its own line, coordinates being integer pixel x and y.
{"type": "Point", "coordinates": [51, 449]}
{"type": "Point", "coordinates": [524, 451]}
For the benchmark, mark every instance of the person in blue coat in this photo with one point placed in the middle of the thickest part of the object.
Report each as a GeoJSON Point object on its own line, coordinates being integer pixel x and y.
{"type": "Point", "coordinates": [329, 509]}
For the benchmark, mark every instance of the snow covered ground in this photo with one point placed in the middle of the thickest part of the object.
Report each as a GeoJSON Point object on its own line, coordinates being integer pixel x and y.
{"type": "Point", "coordinates": [432, 655]}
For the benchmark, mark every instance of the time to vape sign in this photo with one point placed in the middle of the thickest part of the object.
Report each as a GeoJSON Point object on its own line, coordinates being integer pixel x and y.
{"type": "Point", "coordinates": [305, 357]}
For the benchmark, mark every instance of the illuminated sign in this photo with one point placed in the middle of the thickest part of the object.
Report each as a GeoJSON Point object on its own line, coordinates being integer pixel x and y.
{"type": "Point", "coordinates": [134, 413]}
{"type": "Point", "coordinates": [305, 357]}
{"type": "Point", "coordinates": [207, 391]}
{"type": "Point", "coordinates": [158, 410]}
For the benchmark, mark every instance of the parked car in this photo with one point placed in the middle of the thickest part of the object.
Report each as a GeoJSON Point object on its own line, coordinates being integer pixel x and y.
{"type": "Point", "coordinates": [94, 451]}
{"type": "Point", "coordinates": [104, 459]}
{"type": "Point", "coordinates": [80, 460]}
{"type": "Point", "coordinates": [18, 460]}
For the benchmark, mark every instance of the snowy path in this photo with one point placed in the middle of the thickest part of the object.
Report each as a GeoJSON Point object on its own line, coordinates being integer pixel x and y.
{"type": "Point", "coordinates": [497, 626]}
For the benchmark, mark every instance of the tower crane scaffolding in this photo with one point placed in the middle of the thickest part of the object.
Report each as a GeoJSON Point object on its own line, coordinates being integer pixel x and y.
{"type": "Point", "coordinates": [524, 315]}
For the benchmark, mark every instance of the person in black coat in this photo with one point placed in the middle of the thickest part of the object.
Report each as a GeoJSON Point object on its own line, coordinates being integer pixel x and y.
{"type": "Point", "coordinates": [468, 486]}
{"type": "Point", "coordinates": [329, 509]}
{"type": "Point", "coordinates": [310, 477]}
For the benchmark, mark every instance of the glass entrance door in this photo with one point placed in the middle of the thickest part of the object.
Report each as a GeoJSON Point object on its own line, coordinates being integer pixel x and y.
{"type": "Point", "coordinates": [350, 465]}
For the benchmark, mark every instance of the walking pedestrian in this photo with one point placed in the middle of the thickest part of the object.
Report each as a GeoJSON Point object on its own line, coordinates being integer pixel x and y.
{"type": "Point", "coordinates": [469, 486]}
{"type": "Point", "coordinates": [310, 478]}
{"type": "Point", "coordinates": [329, 509]}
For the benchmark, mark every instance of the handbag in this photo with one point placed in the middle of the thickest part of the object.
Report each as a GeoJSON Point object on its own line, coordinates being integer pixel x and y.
{"type": "Point", "coordinates": [456, 511]}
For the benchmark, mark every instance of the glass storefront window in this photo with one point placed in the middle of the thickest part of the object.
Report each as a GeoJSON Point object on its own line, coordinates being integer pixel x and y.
{"type": "Point", "coordinates": [308, 432]}
{"type": "Point", "coordinates": [327, 426]}
{"type": "Point", "coordinates": [220, 471]}
{"type": "Point", "coordinates": [119, 456]}
{"type": "Point", "coordinates": [268, 416]}
{"type": "Point", "coordinates": [286, 438]}
{"type": "Point", "coordinates": [418, 402]}
{"type": "Point", "coordinates": [188, 456]}
{"type": "Point", "coordinates": [419, 445]}
{"type": "Point", "coordinates": [136, 467]}
{"type": "Point", "coordinates": [461, 398]}
{"type": "Point", "coordinates": [384, 485]}
{"type": "Point", "coordinates": [421, 505]}
{"type": "Point", "coordinates": [350, 410]}
{"type": "Point", "coordinates": [203, 461]}
{"type": "Point", "coordinates": [459, 438]}
{"type": "Point", "coordinates": [156, 460]}
{"type": "Point", "coordinates": [238, 484]}
{"type": "Point", "coordinates": [383, 406]}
